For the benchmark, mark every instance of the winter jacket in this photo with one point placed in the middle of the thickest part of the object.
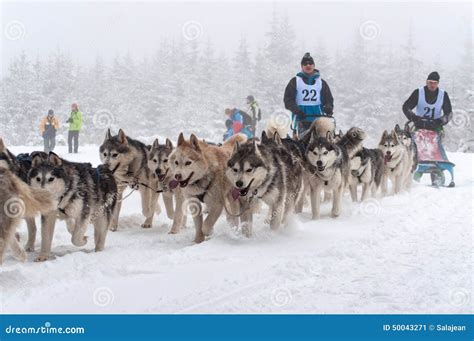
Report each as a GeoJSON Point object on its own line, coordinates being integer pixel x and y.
{"type": "Point", "coordinates": [254, 109]}
{"type": "Point", "coordinates": [75, 121]}
{"type": "Point", "coordinates": [431, 97]}
{"type": "Point", "coordinates": [289, 99]}
{"type": "Point", "coordinates": [49, 126]}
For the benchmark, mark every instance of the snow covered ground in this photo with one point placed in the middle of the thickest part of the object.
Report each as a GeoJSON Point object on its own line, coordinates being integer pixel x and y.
{"type": "Point", "coordinates": [410, 253]}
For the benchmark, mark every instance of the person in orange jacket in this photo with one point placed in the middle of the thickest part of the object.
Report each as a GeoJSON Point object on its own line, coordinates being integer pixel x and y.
{"type": "Point", "coordinates": [48, 127]}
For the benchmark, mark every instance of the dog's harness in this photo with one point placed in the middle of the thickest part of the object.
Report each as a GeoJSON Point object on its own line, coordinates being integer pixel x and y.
{"type": "Point", "coordinates": [203, 194]}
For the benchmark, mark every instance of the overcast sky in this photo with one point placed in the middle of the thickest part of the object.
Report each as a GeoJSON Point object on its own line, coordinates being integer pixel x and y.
{"type": "Point", "coordinates": [85, 29]}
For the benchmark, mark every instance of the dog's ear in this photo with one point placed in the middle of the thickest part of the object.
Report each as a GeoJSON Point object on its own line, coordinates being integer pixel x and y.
{"type": "Point", "coordinates": [193, 140]}
{"type": "Point", "coordinates": [384, 136]}
{"type": "Point", "coordinates": [312, 136]}
{"type": "Point", "coordinates": [156, 143]}
{"type": "Point", "coordinates": [329, 137]}
{"type": "Point", "coordinates": [397, 129]}
{"type": "Point", "coordinates": [341, 133]}
{"type": "Point", "coordinates": [277, 139]}
{"type": "Point", "coordinates": [122, 137]}
{"type": "Point", "coordinates": [54, 159]}
{"type": "Point", "coordinates": [236, 147]}
{"type": "Point", "coordinates": [36, 159]}
{"type": "Point", "coordinates": [407, 128]}
{"type": "Point", "coordinates": [181, 140]}
{"type": "Point", "coordinates": [108, 135]}
{"type": "Point", "coordinates": [169, 144]}
{"type": "Point", "coordinates": [264, 137]}
{"type": "Point", "coordinates": [395, 137]}
{"type": "Point", "coordinates": [2, 146]}
{"type": "Point", "coordinates": [149, 147]}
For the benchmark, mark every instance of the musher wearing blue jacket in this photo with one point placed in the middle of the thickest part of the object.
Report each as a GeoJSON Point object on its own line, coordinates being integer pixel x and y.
{"type": "Point", "coordinates": [308, 96]}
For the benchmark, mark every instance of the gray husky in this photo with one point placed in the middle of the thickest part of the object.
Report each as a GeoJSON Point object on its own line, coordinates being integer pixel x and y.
{"type": "Point", "coordinates": [397, 161]}
{"type": "Point", "coordinates": [367, 168]}
{"type": "Point", "coordinates": [159, 164]}
{"type": "Point", "coordinates": [406, 139]}
{"type": "Point", "coordinates": [328, 164]}
{"type": "Point", "coordinates": [268, 172]}
{"type": "Point", "coordinates": [82, 195]}
{"type": "Point", "coordinates": [127, 159]}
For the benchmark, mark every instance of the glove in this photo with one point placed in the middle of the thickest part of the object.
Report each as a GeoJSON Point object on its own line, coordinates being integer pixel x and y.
{"type": "Point", "coordinates": [69, 120]}
{"type": "Point", "coordinates": [445, 119]}
{"type": "Point", "coordinates": [328, 110]}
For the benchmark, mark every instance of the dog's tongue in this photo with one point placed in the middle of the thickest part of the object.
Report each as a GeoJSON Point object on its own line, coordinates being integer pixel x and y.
{"type": "Point", "coordinates": [387, 158]}
{"type": "Point", "coordinates": [173, 184]}
{"type": "Point", "coordinates": [235, 193]}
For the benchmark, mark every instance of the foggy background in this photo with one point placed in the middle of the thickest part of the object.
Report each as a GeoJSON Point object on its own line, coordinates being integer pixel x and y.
{"type": "Point", "coordinates": [158, 68]}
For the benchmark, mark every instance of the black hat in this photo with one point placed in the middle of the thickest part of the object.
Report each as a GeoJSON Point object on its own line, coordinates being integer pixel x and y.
{"type": "Point", "coordinates": [434, 76]}
{"type": "Point", "coordinates": [250, 98]}
{"type": "Point", "coordinates": [50, 112]}
{"type": "Point", "coordinates": [307, 59]}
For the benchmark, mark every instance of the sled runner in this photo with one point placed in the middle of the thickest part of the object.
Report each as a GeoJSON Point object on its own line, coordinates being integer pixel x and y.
{"type": "Point", "coordinates": [432, 157]}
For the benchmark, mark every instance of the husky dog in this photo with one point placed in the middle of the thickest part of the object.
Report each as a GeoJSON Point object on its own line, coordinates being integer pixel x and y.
{"type": "Point", "coordinates": [328, 164]}
{"type": "Point", "coordinates": [127, 159]}
{"type": "Point", "coordinates": [338, 136]}
{"type": "Point", "coordinates": [267, 172]}
{"type": "Point", "coordinates": [20, 166]}
{"type": "Point", "coordinates": [406, 139]}
{"type": "Point", "coordinates": [367, 168]}
{"type": "Point", "coordinates": [82, 195]}
{"type": "Point", "coordinates": [199, 169]}
{"type": "Point", "coordinates": [17, 201]}
{"type": "Point", "coordinates": [396, 160]}
{"type": "Point", "coordinates": [352, 140]}
{"type": "Point", "coordinates": [161, 175]}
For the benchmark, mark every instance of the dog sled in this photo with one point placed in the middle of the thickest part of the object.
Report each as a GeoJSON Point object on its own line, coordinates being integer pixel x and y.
{"type": "Point", "coordinates": [432, 158]}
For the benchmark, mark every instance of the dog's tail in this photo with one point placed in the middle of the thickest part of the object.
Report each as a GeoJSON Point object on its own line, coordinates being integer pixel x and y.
{"type": "Point", "coordinates": [322, 126]}
{"type": "Point", "coordinates": [240, 138]}
{"type": "Point", "coordinates": [276, 125]}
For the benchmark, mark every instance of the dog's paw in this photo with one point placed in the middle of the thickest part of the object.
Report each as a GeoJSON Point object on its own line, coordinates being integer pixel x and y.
{"type": "Point", "coordinates": [199, 238]}
{"type": "Point", "coordinates": [41, 258]}
{"type": "Point", "coordinates": [30, 247]}
{"type": "Point", "coordinates": [79, 242]}
{"type": "Point", "coordinates": [174, 230]}
{"type": "Point", "coordinates": [146, 225]}
{"type": "Point", "coordinates": [335, 213]}
{"type": "Point", "coordinates": [113, 228]}
{"type": "Point", "coordinates": [207, 230]}
{"type": "Point", "coordinates": [21, 256]}
{"type": "Point", "coordinates": [99, 249]}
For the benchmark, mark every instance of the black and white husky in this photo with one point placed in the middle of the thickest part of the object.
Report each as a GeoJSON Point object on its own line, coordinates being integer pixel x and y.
{"type": "Point", "coordinates": [397, 162]}
{"type": "Point", "coordinates": [328, 165]}
{"type": "Point", "coordinates": [367, 167]}
{"type": "Point", "coordinates": [266, 171]}
{"type": "Point", "coordinates": [159, 164]}
{"type": "Point", "coordinates": [82, 195]}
